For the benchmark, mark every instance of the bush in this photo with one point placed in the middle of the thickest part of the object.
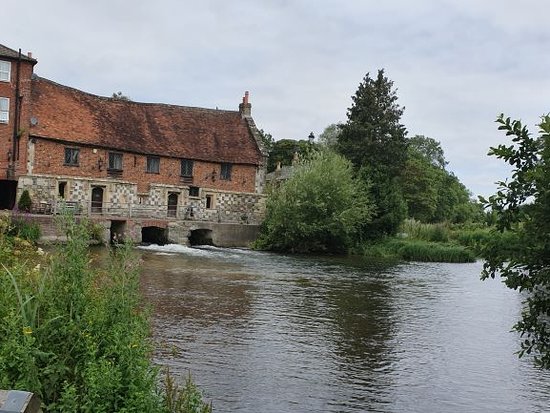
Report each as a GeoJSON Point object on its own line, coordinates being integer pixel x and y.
{"type": "Point", "coordinates": [425, 232]}
{"type": "Point", "coordinates": [417, 250]}
{"type": "Point", "coordinates": [25, 203]}
{"type": "Point", "coordinates": [320, 208]}
{"type": "Point", "coordinates": [25, 228]}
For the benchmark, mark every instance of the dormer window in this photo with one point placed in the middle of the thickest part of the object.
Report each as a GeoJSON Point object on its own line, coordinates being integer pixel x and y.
{"type": "Point", "coordinates": [5, 71]}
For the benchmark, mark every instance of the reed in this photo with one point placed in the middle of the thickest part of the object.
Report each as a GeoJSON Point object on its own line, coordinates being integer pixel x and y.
{"type": "Point", "coordinates": [417, 250]}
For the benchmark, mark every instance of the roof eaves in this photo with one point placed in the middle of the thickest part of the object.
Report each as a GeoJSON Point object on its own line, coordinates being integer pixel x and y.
{"type": "Point", "coordinates": [6, 52]}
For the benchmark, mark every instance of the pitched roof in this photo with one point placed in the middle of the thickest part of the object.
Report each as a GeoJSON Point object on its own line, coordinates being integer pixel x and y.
{"type": "Point", "coordinates": [12, 54]}
{"type": "Point", "coordinates": [66, 114]}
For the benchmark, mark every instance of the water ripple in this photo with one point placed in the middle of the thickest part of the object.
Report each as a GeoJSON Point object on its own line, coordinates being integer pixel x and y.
{"type": "Point", "coordinates": [274, 333]}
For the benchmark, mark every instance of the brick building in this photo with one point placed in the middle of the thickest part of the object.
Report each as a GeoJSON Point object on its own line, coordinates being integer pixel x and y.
{"type": "Point", "coordinates": [121, 159]}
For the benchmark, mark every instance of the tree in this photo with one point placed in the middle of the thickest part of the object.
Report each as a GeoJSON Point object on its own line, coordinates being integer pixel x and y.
{"type": "Point", "coordinates": [374, 140]}
{"type": "Point", "coordinates": [320, 208]}
{"type": "Point", "coordinates": [434, 194]}
{"type": "Point", "coordinates": [267, 140]}
{"type": "Point", "coordinates": [522, 208]}
{"type": "Point", "coordinates": [373, 136]}
{"type": "Point", "coordinates": [421, 185]}
{"type": "Point", "coordinates": [119, 96]}
{"type": "Point", "coordinates": [329, 137]}
{"type": "Point", "coordinates": [429, 149]}
{"type": "Point", "coordinates": [284, 151]}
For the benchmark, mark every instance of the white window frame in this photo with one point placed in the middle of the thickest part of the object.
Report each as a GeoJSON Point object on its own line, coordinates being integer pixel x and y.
{"type": "Point", "coordinates": [4, 110]}
{"type": "Point", "coordinates": [5, 71]}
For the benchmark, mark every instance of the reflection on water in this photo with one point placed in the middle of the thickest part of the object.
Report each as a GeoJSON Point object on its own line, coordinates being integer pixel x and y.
{"type": "Point", "coordinates": [270, 333]}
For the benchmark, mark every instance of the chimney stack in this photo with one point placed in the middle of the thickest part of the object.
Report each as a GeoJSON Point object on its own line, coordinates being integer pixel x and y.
{"type": "Point", "coordinates": [29, 54]}
{"type": "Point", "coordinates": [245, 108]}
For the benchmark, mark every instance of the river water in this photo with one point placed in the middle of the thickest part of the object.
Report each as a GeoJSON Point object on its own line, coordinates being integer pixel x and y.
{"type": "Point", "coordinates": [262, 332]}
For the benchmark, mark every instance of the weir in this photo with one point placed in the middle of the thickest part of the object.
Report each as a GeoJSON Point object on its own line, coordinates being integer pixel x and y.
{"type": "Point", "coordinates": [157, 231]}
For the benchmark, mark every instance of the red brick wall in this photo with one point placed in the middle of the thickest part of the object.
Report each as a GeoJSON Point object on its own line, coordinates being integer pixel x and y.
{"type": "Point", "coordinates": [49, 159]}
{"type": "Point", "coordinates": [7, 89]}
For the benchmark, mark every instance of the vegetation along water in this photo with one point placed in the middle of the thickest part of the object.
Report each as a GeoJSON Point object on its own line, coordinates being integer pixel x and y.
{"type": "Point", "coordinates": [77, 333]}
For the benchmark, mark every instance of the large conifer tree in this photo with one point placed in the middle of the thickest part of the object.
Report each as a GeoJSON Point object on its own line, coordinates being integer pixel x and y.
{"type": "Point", "coordinates": [374, 139]}
{"type": "Point", "coordinates": [373, 136]}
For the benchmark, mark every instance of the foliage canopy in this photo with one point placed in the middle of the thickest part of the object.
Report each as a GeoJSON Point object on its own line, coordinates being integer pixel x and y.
{"type": "Point", "coordinates": [320, 208]}
{"type": "Point", "coordinates": [373, 136]}
{"type": "Point", "coordinates": [374, 140]}
{"type": "Point", "coordinates": [522, 207]}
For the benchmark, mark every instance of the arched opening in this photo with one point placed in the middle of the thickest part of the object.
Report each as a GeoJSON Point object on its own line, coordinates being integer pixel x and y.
{"type": "Point", "coordinates": [201, 237]}
{"type": "Point", "coordinates": [118, 229]}
{"type": "Point", "coordinates": [172, 205]}
{"type": "Point", "coordinates": [97, 200]}
{"type": "Point", "coordinates": [154, 235]}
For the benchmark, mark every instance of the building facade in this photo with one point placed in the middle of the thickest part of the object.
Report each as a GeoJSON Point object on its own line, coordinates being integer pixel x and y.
{"type": "Point", "coordinates": [124, 160]}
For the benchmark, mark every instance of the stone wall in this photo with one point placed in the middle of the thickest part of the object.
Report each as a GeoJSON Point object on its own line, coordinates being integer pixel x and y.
{"type": "Point", "coordinates": [122, 199]}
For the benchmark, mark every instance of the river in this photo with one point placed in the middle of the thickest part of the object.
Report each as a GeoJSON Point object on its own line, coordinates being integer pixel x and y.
{"type": "Point", "coordinates": [263, 332]}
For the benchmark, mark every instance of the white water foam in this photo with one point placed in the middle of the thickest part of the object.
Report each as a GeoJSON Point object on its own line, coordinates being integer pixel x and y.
{"type": "Point", "coordinates": [174, 249]}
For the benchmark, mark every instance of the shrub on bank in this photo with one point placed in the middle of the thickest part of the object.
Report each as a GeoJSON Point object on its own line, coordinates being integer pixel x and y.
{"type": "Point", "coordinates": [25, 203]}
{"type": "Point", "coordinates": [24, 227]}
{"type": "Point", "coordinates": [417, 250]}
{"type": "Point", "coordinates": [414, 229]}
{"type": "Point", "coordinates": [76, 335]}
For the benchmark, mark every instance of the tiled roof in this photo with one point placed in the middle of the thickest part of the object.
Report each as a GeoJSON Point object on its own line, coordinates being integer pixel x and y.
{"type": "Point", "coordinates": [12, 54]}
{"type": "Point", "coordinates": [67, 114]}
{"type": "Point", "coordinates": [282, 174]}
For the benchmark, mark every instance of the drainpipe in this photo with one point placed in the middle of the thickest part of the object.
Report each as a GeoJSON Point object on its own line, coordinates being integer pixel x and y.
{"type": "Point", "coordinates": [17, 114]}
{"type": "Point", "coordinates": [16, 122]}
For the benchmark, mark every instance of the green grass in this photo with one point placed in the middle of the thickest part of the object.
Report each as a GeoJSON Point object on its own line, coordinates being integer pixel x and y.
{"type": "Point", "coordinates": [417, 250]}
{"type": "Point", "coordinates": [413, 229]}
{"type": "Point", "coordinates": [24, 227]}
{"type": "Point", "coordinates": [78, 335]}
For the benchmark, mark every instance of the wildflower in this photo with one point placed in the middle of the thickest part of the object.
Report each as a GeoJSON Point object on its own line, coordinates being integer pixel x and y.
{"type": "Point", "coordinates": [40, 251]}
{"type": "Point", "coordinates": [36, 268]}
{"type": "Point", "coordinates": [27, 330]}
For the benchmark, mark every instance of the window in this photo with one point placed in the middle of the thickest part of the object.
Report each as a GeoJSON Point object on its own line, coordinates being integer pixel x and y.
{"type": "Point", "coordinates": [186, 167]}
{"type": "Point", "coordinates": [4, 110]}
{"type": "Point", "coordinates": [71, 156]}
{"type": "Point", "coordinates": [194, 191]}
{"type": "Point", "coordinates": [115, 161]}
{"type": "Point", "coordinates": [5, 71]}
{"type": "Point", "coordinates": [153, 164]}
{"type": "Point", "coordinates": [209, 202]}
{"type": "Point", "coordinates": [226, 171]}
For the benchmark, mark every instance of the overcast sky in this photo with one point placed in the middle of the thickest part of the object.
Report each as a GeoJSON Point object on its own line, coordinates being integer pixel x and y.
{"type": "Point", "coordinates": [456, 64]}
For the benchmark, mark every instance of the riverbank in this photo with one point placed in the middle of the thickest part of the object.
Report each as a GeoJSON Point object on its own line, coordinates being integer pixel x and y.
{"type": "Point", "coordinates": [440, 242]}
{"type": "Point", "coordinates": [77, 333]}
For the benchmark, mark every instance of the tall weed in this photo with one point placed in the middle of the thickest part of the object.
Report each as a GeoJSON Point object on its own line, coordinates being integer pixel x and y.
{"type": "Point", "coordinates": [76, 334]}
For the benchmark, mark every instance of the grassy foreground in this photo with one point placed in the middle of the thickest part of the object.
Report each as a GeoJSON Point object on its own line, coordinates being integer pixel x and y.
{"type": "Point", "coordinates": [78, 336]}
